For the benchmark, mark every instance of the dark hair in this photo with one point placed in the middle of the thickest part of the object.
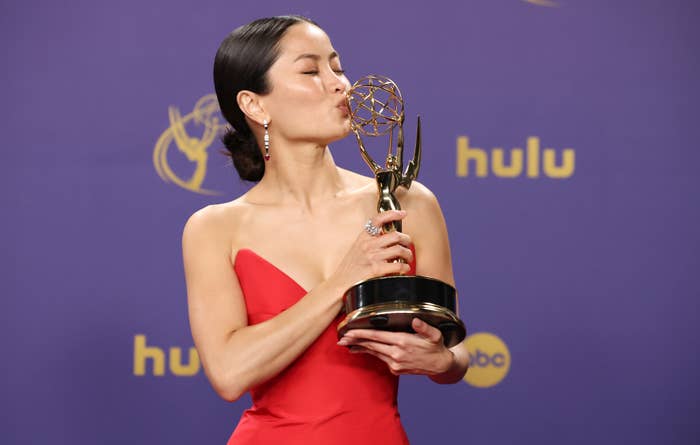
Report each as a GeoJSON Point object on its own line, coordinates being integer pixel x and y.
{"type": "Point", "coordinates": [241, 63]}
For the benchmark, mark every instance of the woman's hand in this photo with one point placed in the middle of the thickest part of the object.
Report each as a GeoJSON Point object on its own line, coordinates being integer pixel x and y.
{"type": "Point", "coordinates": [421, 353]}
{"type": "Point", "coordinates": [372, 256]}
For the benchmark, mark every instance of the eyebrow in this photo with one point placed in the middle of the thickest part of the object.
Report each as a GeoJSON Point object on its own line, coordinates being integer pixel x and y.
{"type": "Point", "coordinates": [315, 56]}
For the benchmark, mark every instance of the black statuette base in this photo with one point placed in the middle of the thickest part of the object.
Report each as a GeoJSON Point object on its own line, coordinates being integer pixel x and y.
{"type": "Point", "coordinates": [391, 303]}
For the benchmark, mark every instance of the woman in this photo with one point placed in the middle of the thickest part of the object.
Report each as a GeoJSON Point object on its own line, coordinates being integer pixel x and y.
{"type": "Point", "coordinates": [266, 272]}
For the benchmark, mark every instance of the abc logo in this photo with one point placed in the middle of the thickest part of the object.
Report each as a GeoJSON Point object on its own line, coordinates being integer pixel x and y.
{"type": "Point", "coordinates": [489, 360]}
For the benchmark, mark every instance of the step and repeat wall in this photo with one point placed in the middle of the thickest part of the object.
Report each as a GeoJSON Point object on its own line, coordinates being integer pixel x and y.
{"type": "Point", "coordinates": [560, 138]}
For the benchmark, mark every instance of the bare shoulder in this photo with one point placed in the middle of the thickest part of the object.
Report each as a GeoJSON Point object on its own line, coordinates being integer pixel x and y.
{"type": "Point", "coordinates": [425, 224]}
{"type": "Point", "coordinates": [424, 219]}
{"type": "Point", "coordinates": [356, 181]}
{"type": "Point", "coordinates": [418, 198]}
{"type": "Point", "coordinates": [215, 222]}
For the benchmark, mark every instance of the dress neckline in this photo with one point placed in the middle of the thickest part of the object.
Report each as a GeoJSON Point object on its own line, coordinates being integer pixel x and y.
{"type": "Point", "coordinates": [270, 264]}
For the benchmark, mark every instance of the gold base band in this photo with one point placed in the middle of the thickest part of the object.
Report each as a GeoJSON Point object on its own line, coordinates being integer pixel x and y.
{"type": "Point", "coordinates": [398, 315]}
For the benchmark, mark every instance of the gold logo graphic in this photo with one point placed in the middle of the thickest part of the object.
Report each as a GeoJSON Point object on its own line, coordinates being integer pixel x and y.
{"type": "Point", "coordinates": [205, 119]}
{"type": "Point", "coordinates": [499, 167]}
{"type": "Point", "coordinates": [489, 360]}
{"type": "Point", "coordinates": [550, 3]}
{"type": "Point", "coordinates": [156, 356]}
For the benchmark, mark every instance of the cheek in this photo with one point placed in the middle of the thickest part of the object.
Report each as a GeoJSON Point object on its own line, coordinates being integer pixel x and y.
{"type": "Point", "coordinates": [298, 109]}
{"type": "Point", "coordinates": [298, 93]}
{"type": "Point", "coordinates": [294, 102]}
{"type": "Point", "coordinates": [302, 111]}
{"type": "Point", "coordinates": [294, 116]}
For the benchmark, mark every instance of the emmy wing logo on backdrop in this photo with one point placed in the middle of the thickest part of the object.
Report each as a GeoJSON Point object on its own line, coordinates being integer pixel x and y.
{"type": "Point", "coordinates": [192, 134]}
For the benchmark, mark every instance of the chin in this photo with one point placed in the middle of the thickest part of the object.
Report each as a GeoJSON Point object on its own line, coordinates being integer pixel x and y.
{"type": "Point", "coordinates": [342, 135]}
{"type": "Point", "coordinates": [337, 135]}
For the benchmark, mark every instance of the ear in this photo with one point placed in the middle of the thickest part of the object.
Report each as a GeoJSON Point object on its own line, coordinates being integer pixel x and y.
{"type": "Point", "coordinates": [251, 105]}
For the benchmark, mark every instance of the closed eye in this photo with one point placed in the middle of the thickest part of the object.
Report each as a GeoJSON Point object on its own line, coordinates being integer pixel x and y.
{"type": "Point", "coordinates": [339, 71]}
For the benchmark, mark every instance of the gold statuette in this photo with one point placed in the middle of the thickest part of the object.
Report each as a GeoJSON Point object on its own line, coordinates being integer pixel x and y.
{"type": "Point", "coordinates": [390, 303]}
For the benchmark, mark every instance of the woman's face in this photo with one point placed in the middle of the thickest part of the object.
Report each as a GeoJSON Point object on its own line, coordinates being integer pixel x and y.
{"type": "Point", "coordinates": [307, 98]}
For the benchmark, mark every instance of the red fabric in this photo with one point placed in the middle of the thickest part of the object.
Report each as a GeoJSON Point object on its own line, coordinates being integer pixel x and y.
{"type": "Point", "coordinates": [328, 395]}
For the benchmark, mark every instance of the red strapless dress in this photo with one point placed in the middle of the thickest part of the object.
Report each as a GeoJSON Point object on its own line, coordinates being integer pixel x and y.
{"type": "Point", "coordinates": [327, 395]}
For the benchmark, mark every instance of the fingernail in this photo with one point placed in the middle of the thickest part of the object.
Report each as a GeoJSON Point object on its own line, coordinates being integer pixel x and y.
{"type": "Point", "coordinates": [343, 342]}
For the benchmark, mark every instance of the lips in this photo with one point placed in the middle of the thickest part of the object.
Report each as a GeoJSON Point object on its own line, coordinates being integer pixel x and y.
{"type": "Point", "coordinates": [343, 107]}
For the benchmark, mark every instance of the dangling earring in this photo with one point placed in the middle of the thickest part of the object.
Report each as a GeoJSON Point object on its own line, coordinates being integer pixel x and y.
{"type": "Point", "coordinates": [266, 138]}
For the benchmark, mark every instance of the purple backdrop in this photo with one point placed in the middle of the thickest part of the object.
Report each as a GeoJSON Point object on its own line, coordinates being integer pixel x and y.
{"type": "Point", "coordinates": [590, 279]}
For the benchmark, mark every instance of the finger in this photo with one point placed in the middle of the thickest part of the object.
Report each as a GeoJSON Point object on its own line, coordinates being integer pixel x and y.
{"type": "Point", "coordinates": [395, 268]}
{"type": "Point", "coordinates": [388, 216]}
{"type": "Point", "coordinates": [392, 253]}
{"type": "Point", "coordinates": [375, 335]}
{"type": "Point", "coordinates": [408, 371]}
{"type": "Point", "coordinates": [405, 240]}
{"type": "Point", "coordinates": [386, 359]}
{"type": "Point", "coordinates": [392, 238]}
{"type": "Point", "coordinates": [426, 331]}
{"type": "Point", "coordinates": [380, 348]}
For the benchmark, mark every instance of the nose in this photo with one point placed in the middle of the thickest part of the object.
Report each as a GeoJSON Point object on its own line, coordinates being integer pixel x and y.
{"type": "Point", "coordinates": [338, 82]}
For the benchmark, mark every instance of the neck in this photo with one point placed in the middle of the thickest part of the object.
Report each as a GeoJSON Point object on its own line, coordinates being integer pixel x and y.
{"type": "Point", "coordinates": [301, 174]}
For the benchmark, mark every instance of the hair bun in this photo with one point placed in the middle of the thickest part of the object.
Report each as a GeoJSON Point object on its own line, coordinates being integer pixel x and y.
{"type": "Point", "coordinates": [245, 153]}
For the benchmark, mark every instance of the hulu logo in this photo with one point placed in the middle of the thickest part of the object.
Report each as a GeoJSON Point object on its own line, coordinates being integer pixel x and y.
{"type": "Point", "coordinates": [516, 163]}
{"type": "Point", "coordinates": [156, 355]}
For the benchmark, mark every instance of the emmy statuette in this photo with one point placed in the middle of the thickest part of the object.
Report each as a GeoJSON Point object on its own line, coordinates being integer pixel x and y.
{"type": "Point", "coordinates": [390, 303]}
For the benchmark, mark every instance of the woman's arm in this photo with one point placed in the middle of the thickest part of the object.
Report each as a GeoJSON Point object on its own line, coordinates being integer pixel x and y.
{"type": "Point", "coordinates": [423, 352]}
{"type": "Point", "coordinates": [435, 260]}
{"type": "Point", "coordinates": [237, 356]}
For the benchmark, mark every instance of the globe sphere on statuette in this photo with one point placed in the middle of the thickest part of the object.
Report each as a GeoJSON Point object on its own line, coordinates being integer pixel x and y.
{"type": "Point", "coordinates": [375, 105]}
